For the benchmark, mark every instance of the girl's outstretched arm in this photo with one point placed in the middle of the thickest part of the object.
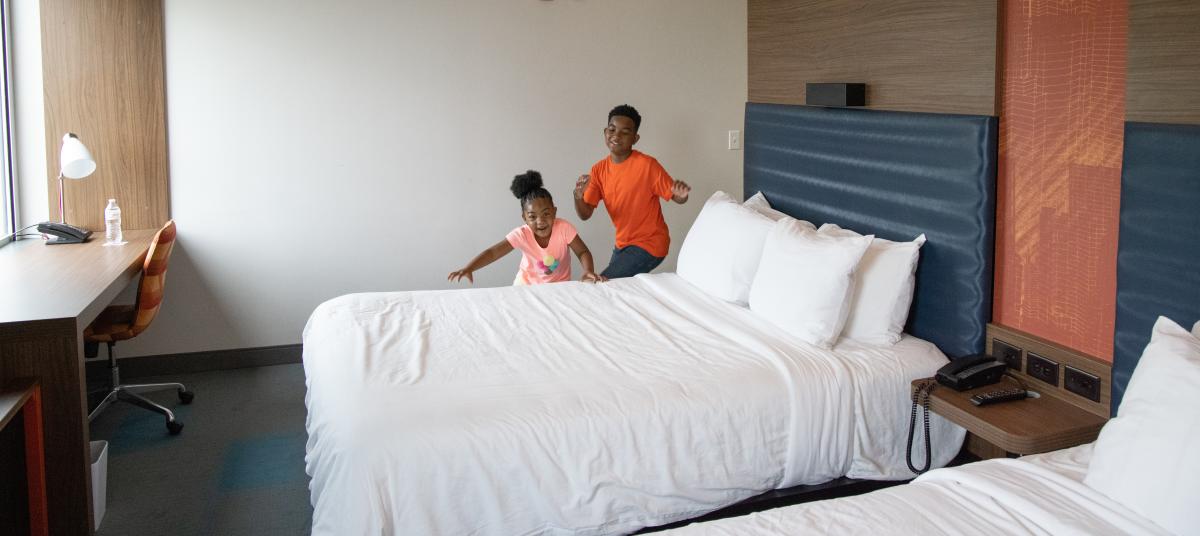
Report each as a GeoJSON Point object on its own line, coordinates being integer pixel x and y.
{"type": "Point", "coordinates": [585, 258]}
{"type": "Point", "coordinates": [488, 256]}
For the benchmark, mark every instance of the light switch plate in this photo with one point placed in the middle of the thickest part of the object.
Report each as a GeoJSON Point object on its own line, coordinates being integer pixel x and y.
{"type": "Point", "coordinates": [735, 140]}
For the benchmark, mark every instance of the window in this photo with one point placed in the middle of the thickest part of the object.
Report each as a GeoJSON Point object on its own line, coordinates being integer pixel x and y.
{"type": "Point", "coordinates": [8, 201]}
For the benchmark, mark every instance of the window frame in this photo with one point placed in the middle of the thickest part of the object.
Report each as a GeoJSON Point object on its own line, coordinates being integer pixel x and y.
{"type": "Point", "coordinates": [8, 173]}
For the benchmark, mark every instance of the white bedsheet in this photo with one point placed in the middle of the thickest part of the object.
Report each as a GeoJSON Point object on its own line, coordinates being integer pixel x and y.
{"type": "Point", "coordinates": [1041, 494]}
{"type": "Point", "coordinates": [584, 409]}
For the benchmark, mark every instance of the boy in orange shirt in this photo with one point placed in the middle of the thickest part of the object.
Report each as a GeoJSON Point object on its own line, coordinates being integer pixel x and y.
{"type": "Point", "coordinates": [630, 183]}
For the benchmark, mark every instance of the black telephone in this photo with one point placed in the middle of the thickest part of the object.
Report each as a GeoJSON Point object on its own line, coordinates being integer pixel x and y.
{"type": "Point", "coordinates": [970, 372]}
{"type": "Point", "coordinates": [960, 374]}
{"type": "Point", "coordinates": [62, 233]}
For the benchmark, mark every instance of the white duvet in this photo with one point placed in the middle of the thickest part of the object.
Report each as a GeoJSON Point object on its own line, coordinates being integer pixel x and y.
{"type": "Point", "coordinates": [1040, 494]}
{"type": "Point", "coordinates": [584, 409]}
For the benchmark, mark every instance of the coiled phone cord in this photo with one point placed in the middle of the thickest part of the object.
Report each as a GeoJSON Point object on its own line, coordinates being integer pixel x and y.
{"type": "Point", "coordinates": [920, 396]}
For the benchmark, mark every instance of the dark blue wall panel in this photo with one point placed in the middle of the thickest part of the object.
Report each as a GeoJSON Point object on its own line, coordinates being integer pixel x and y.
{"type": "Point", "coordinates": [1158, 255]}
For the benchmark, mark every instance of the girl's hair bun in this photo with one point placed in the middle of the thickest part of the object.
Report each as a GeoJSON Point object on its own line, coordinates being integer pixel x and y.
{"type": "Point", "coordinates": [525, 183]}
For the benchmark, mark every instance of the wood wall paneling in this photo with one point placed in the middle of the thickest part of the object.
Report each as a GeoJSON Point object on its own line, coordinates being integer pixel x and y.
{"type": "Point", "coordinates": [1163, 82]}
{"type": "Point", "coordinates": [102, 63]}
{"type": "Point", "coordinates": [914, 55]}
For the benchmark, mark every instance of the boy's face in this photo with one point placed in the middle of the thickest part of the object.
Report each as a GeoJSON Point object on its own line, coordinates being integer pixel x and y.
{"type": "Point", "coordinates": [539, 216]}
{"type": "Point", "coordinates": [620, 135]}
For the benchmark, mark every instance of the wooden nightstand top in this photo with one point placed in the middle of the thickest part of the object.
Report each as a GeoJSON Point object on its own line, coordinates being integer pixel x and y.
{"type": "Point", "coordinates": [1025, 426]}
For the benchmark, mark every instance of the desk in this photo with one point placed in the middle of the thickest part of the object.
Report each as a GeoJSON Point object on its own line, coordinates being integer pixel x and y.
{"type": "Point", "coordinates": [51, 293]}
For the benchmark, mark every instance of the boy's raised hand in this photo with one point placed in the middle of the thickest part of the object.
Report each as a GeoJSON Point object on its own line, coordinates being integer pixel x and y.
{"type": "Point", "coordinates": [581, 185]}
{"type": "Point", "coordinates": [458, 275]}
{"type": "Point", "coordinates": [680, 191]}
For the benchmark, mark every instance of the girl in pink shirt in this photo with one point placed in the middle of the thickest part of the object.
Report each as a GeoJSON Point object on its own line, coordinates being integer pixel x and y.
{"type": "Point", "coordinates": [543, 240]}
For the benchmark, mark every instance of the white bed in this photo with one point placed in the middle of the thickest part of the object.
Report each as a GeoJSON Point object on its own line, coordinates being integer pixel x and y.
{"type": "Point", "coordinates": [585, 409]}
{"type": "Point", "coordinates": [1138, 477]}
{"type": "Point", "coordinates": [1039, 494]}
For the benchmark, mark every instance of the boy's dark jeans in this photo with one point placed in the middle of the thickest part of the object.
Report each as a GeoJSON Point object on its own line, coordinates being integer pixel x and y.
{"type": "Point", "coordinates": [630, 261]}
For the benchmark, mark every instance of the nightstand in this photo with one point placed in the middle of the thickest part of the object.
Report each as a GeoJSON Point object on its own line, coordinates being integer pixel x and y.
{"type": "Point", "coordinates": [1020, 427]}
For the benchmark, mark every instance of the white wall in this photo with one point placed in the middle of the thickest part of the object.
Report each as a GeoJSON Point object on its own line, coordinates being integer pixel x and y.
{"type": "Point", "coordinates": [319, 148]}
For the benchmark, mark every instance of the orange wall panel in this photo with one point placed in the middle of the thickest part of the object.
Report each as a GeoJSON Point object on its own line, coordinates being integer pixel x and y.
{"type": "Point", "coordinates": [1062, 113]}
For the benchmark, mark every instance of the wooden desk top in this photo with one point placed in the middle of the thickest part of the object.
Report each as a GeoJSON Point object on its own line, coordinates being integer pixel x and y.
{"type": "Point", "coordinates": [67, 281]}
{"type": "Point", "coordinates": [1025, 426]}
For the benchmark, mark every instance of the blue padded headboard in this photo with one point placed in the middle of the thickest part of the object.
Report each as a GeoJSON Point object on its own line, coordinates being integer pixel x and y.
{"type": "Point", "coordinates": [1158, 253]}
{"type": "Point", "coordinates": [895, 175]}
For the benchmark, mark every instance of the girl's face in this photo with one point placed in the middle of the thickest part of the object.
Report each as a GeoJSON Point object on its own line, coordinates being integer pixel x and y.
{"type": "Point", "coordinates": [539, 216]}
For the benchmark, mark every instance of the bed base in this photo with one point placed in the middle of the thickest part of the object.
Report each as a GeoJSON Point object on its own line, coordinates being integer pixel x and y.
{"type": "Point", "coordinates": [833, 489]}
{"type": "Point", "coordinates": [840, 487]}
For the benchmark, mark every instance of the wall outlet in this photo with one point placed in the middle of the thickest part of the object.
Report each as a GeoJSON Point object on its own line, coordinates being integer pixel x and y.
{"type": "Point", "coordinates": [735, 140]}
{"type": "Point", "coordinates": [1081, 383]}
{"type": "Point", "coordinates": [1041, 368]}
{"type": "Point", "coordinates": [1007, 353]}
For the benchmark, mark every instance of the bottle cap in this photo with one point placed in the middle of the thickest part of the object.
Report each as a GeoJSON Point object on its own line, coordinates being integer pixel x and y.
{"type": "Point", "coordinates": [112, 200]}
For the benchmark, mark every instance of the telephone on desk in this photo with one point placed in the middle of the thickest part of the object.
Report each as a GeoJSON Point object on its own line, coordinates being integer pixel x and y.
{"type": "Point", "coordinates": [62, 233]}
{"type": "Point", "coordinates": [969, 372]}
{"type": "Point", "coordinates": [962, 374]}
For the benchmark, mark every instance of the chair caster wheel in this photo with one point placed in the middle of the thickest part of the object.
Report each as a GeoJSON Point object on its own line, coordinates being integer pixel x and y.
{"type": "Point", "coordinates": [174, 427]}
{"type": "Point", "coordinates": [185, 397]}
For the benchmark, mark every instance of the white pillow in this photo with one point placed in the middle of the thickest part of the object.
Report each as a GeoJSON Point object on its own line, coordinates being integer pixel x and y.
{"type": "Point", "coordinates": [1196, 329]}
{"type": "Point", "coordinates": [721, 251]}
{"type": "Point", "coordinates": [758, 203]}
{"type": "Point", "coordinates": [883, 288]}
{"type": "Point", "coordinates": [1146, 457]}
{"type": "Point", "coordinates": [805, 280]}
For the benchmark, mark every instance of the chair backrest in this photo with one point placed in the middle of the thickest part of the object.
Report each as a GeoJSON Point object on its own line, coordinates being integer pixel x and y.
{"type": "Point", "coordinates": [154, 277]}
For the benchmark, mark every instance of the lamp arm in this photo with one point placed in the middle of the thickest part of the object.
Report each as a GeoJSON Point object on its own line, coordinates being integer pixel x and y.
{"type": "Point", "coordinates": [62, 213]}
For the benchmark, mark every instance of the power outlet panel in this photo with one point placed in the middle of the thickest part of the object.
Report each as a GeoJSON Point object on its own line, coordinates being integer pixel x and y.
{"type": "Point", "coordinates": [1041, 368]}
{"type": "Point", "coordinates": [1081, 383]}
{"type": "Point", "coordinates": [1007, 353]}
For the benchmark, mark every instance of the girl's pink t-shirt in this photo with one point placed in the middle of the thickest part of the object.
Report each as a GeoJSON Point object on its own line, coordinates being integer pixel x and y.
{"type": "Point", "coordinates": [543, 265]}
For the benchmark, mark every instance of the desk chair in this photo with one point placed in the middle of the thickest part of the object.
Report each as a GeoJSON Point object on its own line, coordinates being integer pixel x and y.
{"type": "Point", "coordinates": [123, 322]}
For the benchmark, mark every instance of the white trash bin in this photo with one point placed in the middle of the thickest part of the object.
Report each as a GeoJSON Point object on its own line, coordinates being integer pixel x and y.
{"type": "Point", "coordinates": [99, 479]}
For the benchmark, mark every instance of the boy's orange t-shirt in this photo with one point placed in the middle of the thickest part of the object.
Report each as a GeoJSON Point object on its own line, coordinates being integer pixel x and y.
{"type": "Point", "coordinates": [631, 191]}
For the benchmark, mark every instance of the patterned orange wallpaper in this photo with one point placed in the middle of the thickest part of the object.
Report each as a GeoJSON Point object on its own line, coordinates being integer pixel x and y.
{"type": "Point", "coordinates": [1062, 112]}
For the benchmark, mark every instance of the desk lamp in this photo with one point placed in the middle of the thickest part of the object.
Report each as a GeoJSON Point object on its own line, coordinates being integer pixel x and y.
{"type": "Point", "coordinates": [75, 162]}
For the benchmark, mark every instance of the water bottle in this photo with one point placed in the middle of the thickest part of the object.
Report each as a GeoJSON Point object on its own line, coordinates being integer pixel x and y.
{"type": "Point", "coordinates": [112, 223]}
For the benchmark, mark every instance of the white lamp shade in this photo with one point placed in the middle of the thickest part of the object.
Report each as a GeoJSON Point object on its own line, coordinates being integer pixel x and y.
{"type": "Point", "coordinates": [75, 160]}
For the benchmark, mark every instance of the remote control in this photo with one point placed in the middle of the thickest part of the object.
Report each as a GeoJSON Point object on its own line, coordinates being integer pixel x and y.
{"type": "Point", "coordinates": [998, 396]}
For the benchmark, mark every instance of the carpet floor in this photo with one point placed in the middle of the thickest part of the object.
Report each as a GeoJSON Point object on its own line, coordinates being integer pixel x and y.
{"type": "Point", "coordinates": [236, 469]}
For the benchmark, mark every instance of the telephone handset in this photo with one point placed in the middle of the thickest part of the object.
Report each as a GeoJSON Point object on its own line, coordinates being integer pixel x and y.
{"type": "Point", "coordinates": [970, 372]}
{"type": "Point", "coordinates": [960, 374]}
{"type": "Point", "coordinates": [62, 233]}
